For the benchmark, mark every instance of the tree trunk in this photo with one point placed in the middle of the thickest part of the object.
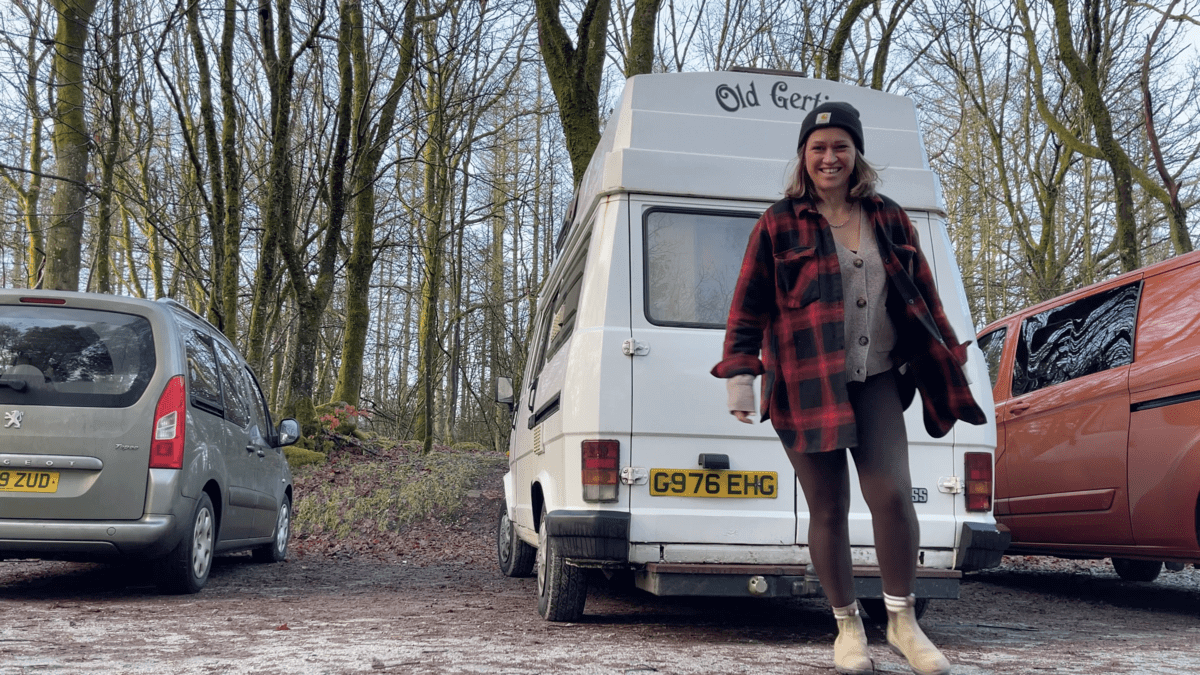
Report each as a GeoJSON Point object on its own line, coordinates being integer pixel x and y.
{"type": "Point", "coordinates": [433, 212]}
{"type": "Point", "coordinates": [232, 171]}
{"type": "Point", "coordinates": [1181, 239]}
{"type": "Point", "coordinates": [368, 151]}
{"type": "Point", "coordinates": [1084, 77]}
{"type": "Point", "coordinates": [215, 206]}
{"type": "Point", "coordinates": [640, 59]}
{"type": "Point", "coordinates": [108, 158]}
{"type": "Point", "coordinates": [575, 74]}
{"type": "Point", "coordinates": [311, 300]}
{"type": "Point", "coordinates": [841, 35]}
{"type": "Point", "coordinates": [71, 146]}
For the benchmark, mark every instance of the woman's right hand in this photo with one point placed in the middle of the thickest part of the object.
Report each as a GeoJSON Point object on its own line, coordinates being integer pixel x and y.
{"type": "Point", "coordinates": [743, 416]}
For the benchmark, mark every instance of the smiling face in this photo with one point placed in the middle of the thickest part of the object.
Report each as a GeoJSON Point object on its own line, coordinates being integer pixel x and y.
{"type": "Point", "coordinates": [829, 157]}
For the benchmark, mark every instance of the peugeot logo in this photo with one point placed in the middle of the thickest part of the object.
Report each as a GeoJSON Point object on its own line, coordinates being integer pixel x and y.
{"type": "Point", "coordinates": [12, 419]}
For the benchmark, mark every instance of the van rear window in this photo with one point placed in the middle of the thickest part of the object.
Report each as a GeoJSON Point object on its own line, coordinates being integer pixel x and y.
{"type": "Point", "coordinates": [692, 263]}
{"type": "Point", "coordinates": [59, 356]}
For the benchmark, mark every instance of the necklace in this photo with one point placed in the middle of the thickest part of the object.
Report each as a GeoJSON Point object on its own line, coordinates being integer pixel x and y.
{"type": "Point", "coordinates": [848, 218]}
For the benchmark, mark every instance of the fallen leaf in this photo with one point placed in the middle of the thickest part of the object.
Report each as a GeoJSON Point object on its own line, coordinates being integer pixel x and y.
{"type": "Point", "coordinates": [283, 627]}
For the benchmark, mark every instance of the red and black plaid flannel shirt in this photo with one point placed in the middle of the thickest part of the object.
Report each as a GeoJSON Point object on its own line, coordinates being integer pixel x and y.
{"type": "Point", "coordinates": [788, 305]}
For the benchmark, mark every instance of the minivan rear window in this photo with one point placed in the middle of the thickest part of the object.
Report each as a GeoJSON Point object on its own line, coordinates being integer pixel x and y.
{"type": "Point", "coordinates": [62, 356]}
{"type": "Point", "coordinates": [692, 263]}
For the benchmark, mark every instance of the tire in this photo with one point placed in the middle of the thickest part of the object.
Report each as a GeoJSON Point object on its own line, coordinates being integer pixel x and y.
{"type": "Point", "coordinates": [516, 558]}
{"type": "Point", "coordinates": [877, 613]}
{"type": "Point", "coordinates": [1137, 570]}
{"type": "Point", "coordinates": [276, 551]}
{"type": "Point", "coordinates": [185, 569]}
{"type": "Point", "coordinates": [562, 588]}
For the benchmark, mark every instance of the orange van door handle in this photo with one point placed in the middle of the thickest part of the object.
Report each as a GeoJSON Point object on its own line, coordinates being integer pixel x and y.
{"type": "Point", "coordinates": [1017, 410]}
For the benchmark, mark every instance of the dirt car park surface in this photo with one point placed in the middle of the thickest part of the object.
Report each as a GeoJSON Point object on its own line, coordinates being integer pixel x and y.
{"type": "Point", "coordinates": [433, 601]}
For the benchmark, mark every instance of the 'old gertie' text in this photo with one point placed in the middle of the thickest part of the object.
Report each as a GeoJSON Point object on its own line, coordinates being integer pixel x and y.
{"type": "Point", "coordinates": [734, 99]}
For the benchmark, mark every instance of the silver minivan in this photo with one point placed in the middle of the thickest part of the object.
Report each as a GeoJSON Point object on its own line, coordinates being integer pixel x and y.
{"type": "Point", "coordinates": [132, 429]}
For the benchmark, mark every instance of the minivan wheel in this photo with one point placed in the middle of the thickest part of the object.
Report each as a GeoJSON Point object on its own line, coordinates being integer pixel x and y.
{"type": "Point", "coordinates": [877, 612]}
{"type": "Point", "coordinates": [185, 569]}
{"type": "Point", "coordinates": [516, 558]}
{"type": "Point", "coordinates": [276, 551]}
{"type": "Point", "coordinates": [562, 588]}
{"type": "Point", "coordinates": [1137, 570]}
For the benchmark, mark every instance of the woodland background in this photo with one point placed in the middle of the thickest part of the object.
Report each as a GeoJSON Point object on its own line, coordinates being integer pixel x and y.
{"type": "Point", "coordinates": [363, 194]}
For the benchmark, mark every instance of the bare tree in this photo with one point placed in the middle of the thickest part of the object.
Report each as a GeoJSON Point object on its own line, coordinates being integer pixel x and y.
{"type": "Point", "coordinates": [72, 145]}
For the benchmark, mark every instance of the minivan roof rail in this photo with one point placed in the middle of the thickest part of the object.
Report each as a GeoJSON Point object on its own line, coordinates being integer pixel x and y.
{"type": "Point", "coordinates": [183, 308]}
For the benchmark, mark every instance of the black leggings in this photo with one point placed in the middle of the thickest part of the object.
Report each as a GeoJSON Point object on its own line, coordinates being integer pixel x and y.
{"type": "Point", "coordinates": [881, 459]}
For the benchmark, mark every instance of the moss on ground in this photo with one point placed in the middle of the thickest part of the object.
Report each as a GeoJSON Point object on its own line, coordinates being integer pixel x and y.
{"type": "Point", "coordinates": [385, 490]}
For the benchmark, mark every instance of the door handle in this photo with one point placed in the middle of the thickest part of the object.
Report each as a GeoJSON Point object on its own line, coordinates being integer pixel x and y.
{"type": "Point", "coordinates": [256, 448]}
{"type": "Point", "coordinates": [1018, 410]}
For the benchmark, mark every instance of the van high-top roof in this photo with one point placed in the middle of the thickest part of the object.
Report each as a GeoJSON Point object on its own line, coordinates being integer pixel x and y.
{"type": "Point", "coordinates": [732, 134]}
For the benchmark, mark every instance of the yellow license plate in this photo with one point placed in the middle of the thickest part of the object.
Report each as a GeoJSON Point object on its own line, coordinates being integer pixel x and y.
{"type": "Point", "coordinates": [713, 483]}
{"type": "Point", "coordinates": [28, 481]}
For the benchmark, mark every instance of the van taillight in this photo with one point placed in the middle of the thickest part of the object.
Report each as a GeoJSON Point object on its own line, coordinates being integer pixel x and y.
{"type": "Point", "coordinates": [166, 447]}
{"type": "Point", "coordinates": [601, 470]}
{"type": "Point", "coordinates": [979, 481]}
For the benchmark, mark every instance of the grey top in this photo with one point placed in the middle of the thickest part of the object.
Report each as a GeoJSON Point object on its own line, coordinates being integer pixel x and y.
{"type": "Point", "coordinates": [869, 332]}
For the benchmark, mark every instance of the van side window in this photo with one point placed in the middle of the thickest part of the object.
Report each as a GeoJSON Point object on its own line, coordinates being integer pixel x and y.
{"type": "Point", "coordinates": [992, 345]}
{"type": "Point", "coordinates": [1086, 336]}
{"type": "Point", "coordinates": [260, 413]}
{"type": "Point", "coordinates": [564, 305]}
{"type": "Point", "coordinates": [237, 407]}
{"type": "Point", "coordinates": [203, 381]}
{"type": "Point", "coordinates": [692, 263]}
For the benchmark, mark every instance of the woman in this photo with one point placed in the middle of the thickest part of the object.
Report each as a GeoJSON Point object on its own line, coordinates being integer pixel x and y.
{"type": "Point", "coordinates": [837, 296]}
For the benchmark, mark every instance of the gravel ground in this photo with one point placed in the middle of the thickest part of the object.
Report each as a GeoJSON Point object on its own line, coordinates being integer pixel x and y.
{"type": "Point", "coordinates": [418, 611]}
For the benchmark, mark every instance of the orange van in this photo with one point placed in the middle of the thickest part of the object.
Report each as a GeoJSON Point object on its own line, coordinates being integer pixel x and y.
{"type": "Point", "coordinates": [1098, 421]}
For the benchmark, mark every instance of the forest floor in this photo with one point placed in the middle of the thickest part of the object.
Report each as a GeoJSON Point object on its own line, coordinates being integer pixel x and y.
{"type": "Point", "coordinates": [429, 599]}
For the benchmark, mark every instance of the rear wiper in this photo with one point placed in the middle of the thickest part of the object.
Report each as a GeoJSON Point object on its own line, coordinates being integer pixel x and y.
{"type": "Point", "coordinates": [17, 385]}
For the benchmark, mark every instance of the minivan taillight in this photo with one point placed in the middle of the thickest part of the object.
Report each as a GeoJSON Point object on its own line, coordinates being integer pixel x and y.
{"type": "Point", "coordinates": [979, 481]}
{"type": "Point", "coordinates": [166, 446]}
{"type": "Point", "coordinates": [601, 470]}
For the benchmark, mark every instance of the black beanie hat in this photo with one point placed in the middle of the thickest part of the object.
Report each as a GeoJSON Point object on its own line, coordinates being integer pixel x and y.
{"type": "Point", "coordinates": [832, 114]}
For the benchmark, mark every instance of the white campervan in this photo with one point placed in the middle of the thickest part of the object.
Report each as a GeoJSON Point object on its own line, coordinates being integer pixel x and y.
{"type": "Point", "coordinates": [623, 454]}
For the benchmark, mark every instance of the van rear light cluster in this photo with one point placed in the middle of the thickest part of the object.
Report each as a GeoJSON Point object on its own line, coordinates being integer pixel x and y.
{"type": "Point", "coordinates": [979, 481]}
{"type": "Point", "coordinates": [601, 470]}
{"type": "Point", "coordinates": [166, 446]}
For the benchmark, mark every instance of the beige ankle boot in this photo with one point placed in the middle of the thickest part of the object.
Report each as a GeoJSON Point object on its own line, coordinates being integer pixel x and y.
{"type": "Point", "coordinates": [850, 656]}
{"type": "Point", "coordinates": [905, 637]}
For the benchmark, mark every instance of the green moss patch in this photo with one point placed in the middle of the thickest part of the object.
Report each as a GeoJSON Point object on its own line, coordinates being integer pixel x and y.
{"type": "Point", "coordinates": [386, 489]}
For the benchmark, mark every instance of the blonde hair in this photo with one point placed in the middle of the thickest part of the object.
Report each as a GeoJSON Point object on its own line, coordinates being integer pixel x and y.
{"type": "Point", "coordinates": [862, 181]}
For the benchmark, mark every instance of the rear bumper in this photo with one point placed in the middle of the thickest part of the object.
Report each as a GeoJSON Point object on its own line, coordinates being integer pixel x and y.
{"type": "Point", "coordinates": [149, 537]}
{"type": "Point", "coordinates": [981, 546]}
{"type": "Point", "coordinates": [778, 581]}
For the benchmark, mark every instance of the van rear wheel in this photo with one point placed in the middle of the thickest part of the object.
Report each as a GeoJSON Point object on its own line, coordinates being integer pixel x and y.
{"type": "Point", "coordinates": [1137, 570]}
{"type": "Point", "coordinates": [877, 612]}
{"type": "Point", "coordinates": [516, 558]}
{"type": "Point", "coordinates": [185, 569]}
{"type": "Point", "coordinates": [562, 588]}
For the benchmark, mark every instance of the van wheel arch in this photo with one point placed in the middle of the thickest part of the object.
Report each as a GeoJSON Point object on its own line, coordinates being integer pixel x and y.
{"type": "Point", "coordinates": [538, 502]}
{"type": "Point", "coordinates": [1196, 521]}
{"type": "Point", "coordinates": [213, 490]}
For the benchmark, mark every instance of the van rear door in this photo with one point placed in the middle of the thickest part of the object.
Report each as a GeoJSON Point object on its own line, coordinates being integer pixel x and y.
{"type": "Point", "coordinates": [685, 255]}
{"type": "Point", "coordinates": [77, 408]}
